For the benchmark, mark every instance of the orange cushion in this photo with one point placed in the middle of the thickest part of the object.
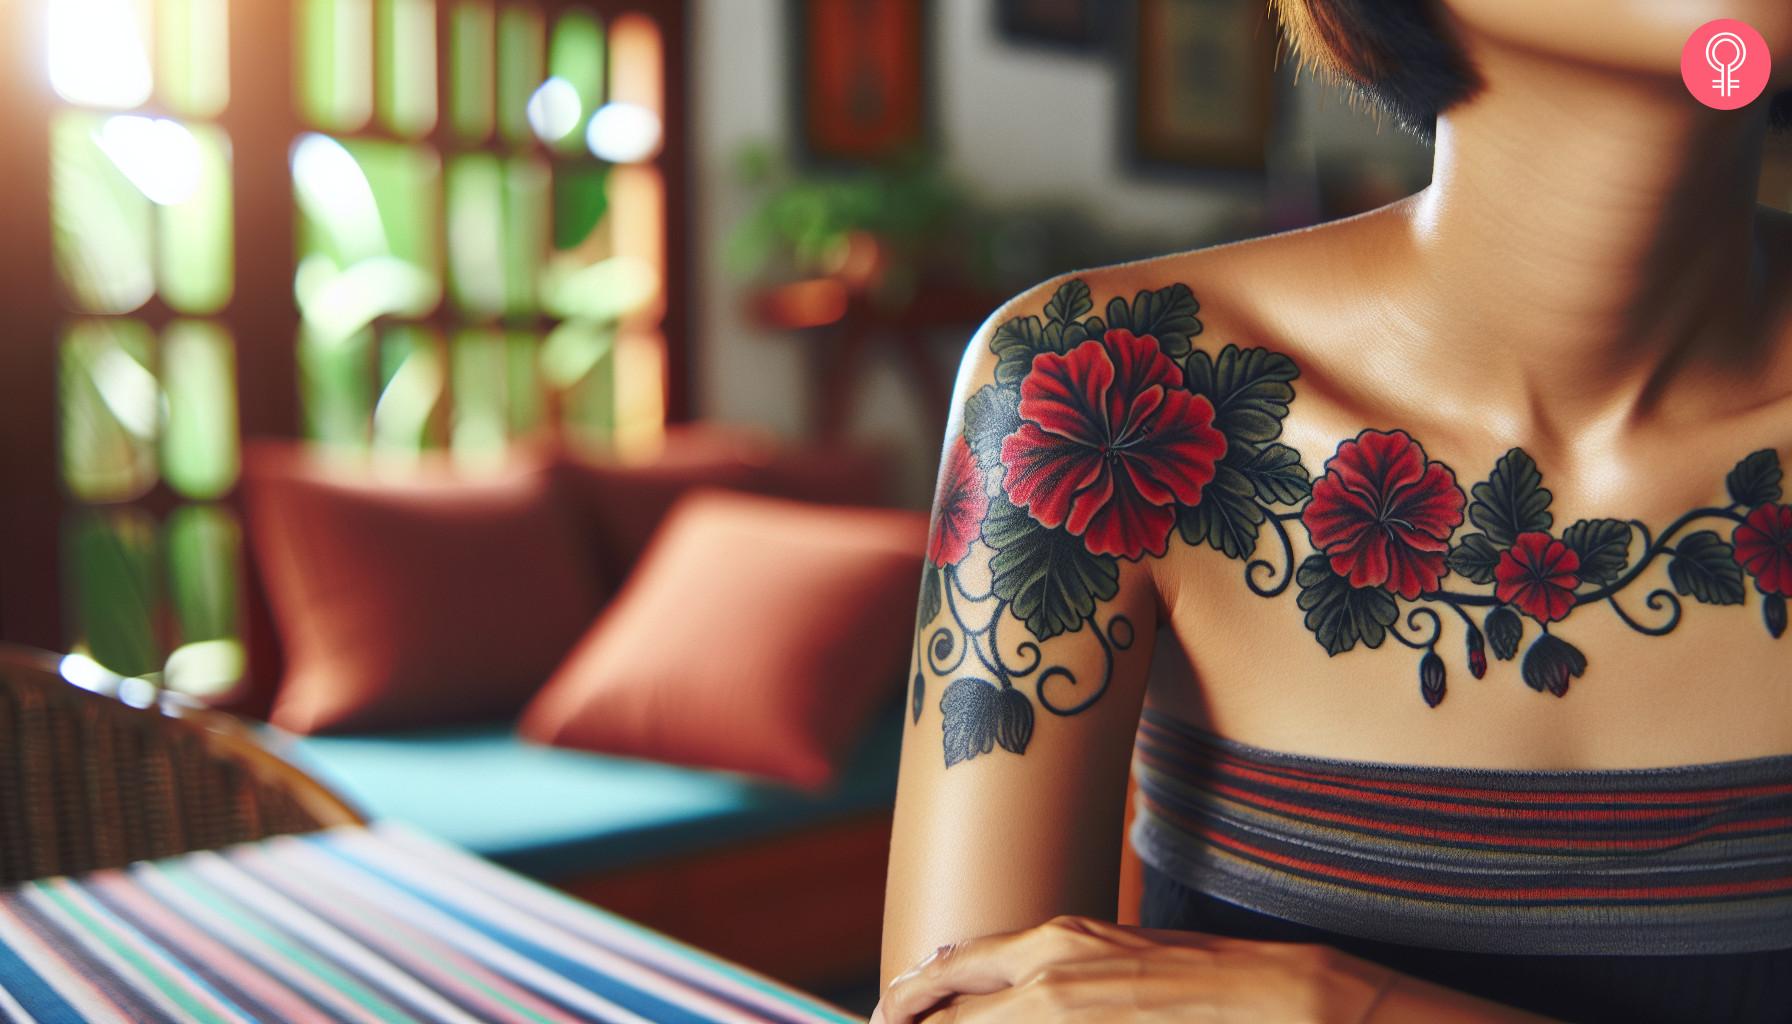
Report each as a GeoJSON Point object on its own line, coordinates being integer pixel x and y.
{"type": "Point", "coordinates": [618, 505]}
{"type": "Point", "coordinates": [757, 635]}
{"type": "Point", "coordinates": [424, 598]}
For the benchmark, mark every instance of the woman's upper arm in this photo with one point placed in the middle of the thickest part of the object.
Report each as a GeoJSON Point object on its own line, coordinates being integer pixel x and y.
{"type": "Point", "coordinates": [1035, 621]}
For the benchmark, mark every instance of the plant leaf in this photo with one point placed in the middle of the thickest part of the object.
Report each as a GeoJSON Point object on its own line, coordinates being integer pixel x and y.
{"type": "Point", "coordinates": [1704, 568]}
{"type": "Point", "coordinates": [1603, 546]}
{"type": "Point", "coordinates": [930, 596]}
{"type": "Point", "coordinates": [1756, 479]}
{"type": "Point", "coordinates": [1511, 501]}
{"type": "Point", "coordinates": [990, 415]}
{"type": "Point", "coordinates": [1228, 516]}
{"type": "Point", "coordinates": [1277, 474]}
{"type": "Point", "coordinates": [1474, 558]}
{"type": "Point", "coordinates": [1014, 721]}
{"type": "Point", "coordinates": [1167, 314]}
{"type": "Point", "coordinates": [1340, 615]}
{"type": "Point", "coordinates": [1505, 628]}
{"type": "Point", "coordinates": [1070, 302]}
{"type": "Point", "coordinates": [972, 709]}
{"type": "Point", "coordinates": [1119, 315]}
{"type": "Point", "coordinates": [1048, 577]}
{"type": "Point", "coordinates": [1250, 390]}
{"type": "Point", "coordinates": [920, 694]}
{"type": "Point", "coordinates": [1018, 339]}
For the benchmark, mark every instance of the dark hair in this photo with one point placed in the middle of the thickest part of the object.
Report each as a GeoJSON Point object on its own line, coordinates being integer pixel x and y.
{"type": "Point", "coordinates": [1398, 55]}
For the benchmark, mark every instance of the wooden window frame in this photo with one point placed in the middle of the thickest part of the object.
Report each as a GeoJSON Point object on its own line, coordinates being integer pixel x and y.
{"type": "Point", "coordinates": [262, 121]}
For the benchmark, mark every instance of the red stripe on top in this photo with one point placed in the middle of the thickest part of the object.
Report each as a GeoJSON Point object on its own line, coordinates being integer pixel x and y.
{"type": "Point", "coordinates": [1640, 815]}
{"type": "Point", "coordinates": [1555, 892]}
{"type": "Point", "coordinates": [1456, 835]}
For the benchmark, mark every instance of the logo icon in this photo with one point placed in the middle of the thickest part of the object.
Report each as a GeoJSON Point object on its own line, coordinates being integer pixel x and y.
{"type": "Point", "coordinates": [1725, 64]}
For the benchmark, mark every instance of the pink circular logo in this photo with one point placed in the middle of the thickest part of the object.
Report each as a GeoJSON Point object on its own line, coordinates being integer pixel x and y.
{"type": "Point", "coordinates": [1725, 64]}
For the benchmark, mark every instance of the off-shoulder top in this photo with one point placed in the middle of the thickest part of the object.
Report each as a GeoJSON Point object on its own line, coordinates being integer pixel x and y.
{"type": "Point", "coordinates": [1657, 894]}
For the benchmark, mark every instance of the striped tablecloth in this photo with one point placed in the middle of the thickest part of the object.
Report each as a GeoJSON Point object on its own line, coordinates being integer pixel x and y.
{"type": "Point", "coordinates": [369, 924]}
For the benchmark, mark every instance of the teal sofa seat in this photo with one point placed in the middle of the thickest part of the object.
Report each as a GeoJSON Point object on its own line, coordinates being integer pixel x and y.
{"type": "Point", "coordinates": [558, 814]}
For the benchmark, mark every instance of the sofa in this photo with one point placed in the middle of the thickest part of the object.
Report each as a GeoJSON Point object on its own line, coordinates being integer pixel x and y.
{"type": "Point", "coordinates": [711, 857]}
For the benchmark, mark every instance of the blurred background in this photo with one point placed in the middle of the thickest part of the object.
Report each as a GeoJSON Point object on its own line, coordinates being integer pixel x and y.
{"type": "Point", "coordinates": [406, 225]}
{"type": "Point", "coordinates": [724, 240]}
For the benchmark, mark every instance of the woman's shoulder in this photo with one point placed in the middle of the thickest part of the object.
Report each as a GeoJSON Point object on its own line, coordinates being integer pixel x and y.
{"type": "Point", "coordinates": [1249, 293]}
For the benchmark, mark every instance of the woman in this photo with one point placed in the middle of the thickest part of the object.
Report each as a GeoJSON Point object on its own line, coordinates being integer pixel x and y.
{"type": "Point", "coordinates": [1469, 516]}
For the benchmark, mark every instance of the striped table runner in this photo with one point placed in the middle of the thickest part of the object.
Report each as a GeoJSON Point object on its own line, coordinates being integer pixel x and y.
{"type": "Point", "coordinates": [374, 924]}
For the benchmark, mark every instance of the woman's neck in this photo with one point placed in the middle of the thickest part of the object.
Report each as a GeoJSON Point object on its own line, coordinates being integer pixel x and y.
{"type": "Point", "coordinates": [1596, 232]}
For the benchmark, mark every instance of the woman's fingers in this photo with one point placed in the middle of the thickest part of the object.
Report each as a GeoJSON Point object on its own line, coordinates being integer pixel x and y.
{"type": "Point", "coordinates": [990, 964]}
{"type": "Point", "coordinates": [972, 967]}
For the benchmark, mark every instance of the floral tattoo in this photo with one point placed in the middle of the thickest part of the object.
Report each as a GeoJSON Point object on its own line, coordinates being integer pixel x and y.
{"type": "Point", "coordinates": [1104, 435]}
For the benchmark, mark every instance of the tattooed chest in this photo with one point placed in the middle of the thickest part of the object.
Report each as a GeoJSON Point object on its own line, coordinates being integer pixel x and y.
{"type": "Point", "coordinates": [1107, 437]}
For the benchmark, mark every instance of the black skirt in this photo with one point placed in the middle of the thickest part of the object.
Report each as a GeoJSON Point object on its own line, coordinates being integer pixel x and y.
{"type": "Point", "coordinates": [1733, 988]}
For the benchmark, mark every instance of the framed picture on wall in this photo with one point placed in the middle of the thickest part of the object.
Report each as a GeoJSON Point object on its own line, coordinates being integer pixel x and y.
{"type": "Point", "coordinates": [1078, 25]}
{"type": "Point", "coordinates": [860, 76]}
{"type": "Point", "coordinates": [1202, 84]}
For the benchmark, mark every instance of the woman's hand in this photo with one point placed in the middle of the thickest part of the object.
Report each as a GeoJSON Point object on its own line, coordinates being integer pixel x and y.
{"type": "Point", "coordinates": [1074, 968]}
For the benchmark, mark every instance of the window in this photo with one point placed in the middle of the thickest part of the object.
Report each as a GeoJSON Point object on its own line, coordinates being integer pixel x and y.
{"type": "Point", "coordinates": [140, 203]}
{"type": "Point", "coordinates": [470, 270]}
{"type": "Point", "coordinates": [475, 250]}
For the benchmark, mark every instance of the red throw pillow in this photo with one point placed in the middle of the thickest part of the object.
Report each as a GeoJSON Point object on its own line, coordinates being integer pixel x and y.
{"type": "Point", "coordinates": [620, 504]}
{"type": "Point", "coordinates": [758, 635]}
{"type": "Point", "coordinates": [421, 599]}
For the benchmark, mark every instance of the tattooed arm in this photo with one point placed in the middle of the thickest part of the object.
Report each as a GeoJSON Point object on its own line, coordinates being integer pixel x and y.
{"type": "Point", "coordinates": [1071, 443]}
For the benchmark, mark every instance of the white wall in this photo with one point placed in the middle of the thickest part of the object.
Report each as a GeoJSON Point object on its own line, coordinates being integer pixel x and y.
{"type": "Point", "coordinates": [1003, 112]}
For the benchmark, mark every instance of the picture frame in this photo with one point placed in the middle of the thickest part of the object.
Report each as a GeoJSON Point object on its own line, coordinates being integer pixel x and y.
{"type": "Point", "coordinates": [1203, 88]}
{"type": "Point", "coordinates": [860, 80]}
{"type": "Point", "coordinates": [1076, 26]}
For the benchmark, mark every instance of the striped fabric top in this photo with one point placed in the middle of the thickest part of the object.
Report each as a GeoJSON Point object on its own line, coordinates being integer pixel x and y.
{"type": "Point", "coordinates": [370, 925]}
{"type": "Point", "coordinates": [1693, 859]}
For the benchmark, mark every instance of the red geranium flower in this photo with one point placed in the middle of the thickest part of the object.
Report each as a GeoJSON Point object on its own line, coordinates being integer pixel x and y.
{"type": "Point", "coordinates": [1764, 547]}
{"type": "Point", "coordinates": [1110, 443]}
{"type": "Point", "coordinates": [1537, 575]}
{"type": "Point", "coordinates": [959, 506]}
{"type": "Point", "coordinates": [1384, 514]}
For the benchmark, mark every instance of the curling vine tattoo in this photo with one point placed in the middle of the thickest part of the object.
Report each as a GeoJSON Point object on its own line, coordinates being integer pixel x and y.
{"type": "Point", "coordinates": [1105, 434]}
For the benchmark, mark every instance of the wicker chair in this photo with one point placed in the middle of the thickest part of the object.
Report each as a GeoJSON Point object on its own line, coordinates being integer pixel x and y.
{"type": "Point", "coordinates": [87, 780]}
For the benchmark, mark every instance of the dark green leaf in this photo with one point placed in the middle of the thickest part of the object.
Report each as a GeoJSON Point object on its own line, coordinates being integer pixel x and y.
{"type": "Point", "coordinates": [1505, 628]}
{"type": "Point", "coordinates": [978, 716]}
{"type": "Point", "coordinates": [1014, 723]}
{"type": "Point", "coordinates": [1340, 615]}
{"type": "Point", "coordinates": [1474, 558]}
{"type": "Point", "coordinates": [930, 596]}
{"type": "Point", "coordinates": [1275, 471]}
{"type": "Point", "coordinates": [1015, 343]}
{"type": "Point", "coordinates": [1756, 479]}
{"type": "Point", "coordinates": [1511, 501]}
{"type": "Point", "coordinates": [972, 710]}
{"type": "Point", "coordinates": [1550, 663]}
{"type": "Point", "coordinates": [1228, 516]}
{"type": "Point", "coordinates": [1049, 578]}
{"type": "Point", "coordinates": [1603, 546]}
{"type": "Point", "coordinates": [1773, 613]}
{"type": "Point", "coordinates": [1167, 314]}
{"type": "Point", "coordinates": [1119, 315]}
{"type": "Point", "coordinates": [1070, 302]}
{"type": "Point", "coordinates": [920, 694]}
{"type": "Point", "coordinates": [1704, 568]}
{"type": "Point", "coordinates": [990, 414]}
{"type": "Point", "coordinates": [1018, 340]}
{"type": "Point", "coordinates": [1250, 390]}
